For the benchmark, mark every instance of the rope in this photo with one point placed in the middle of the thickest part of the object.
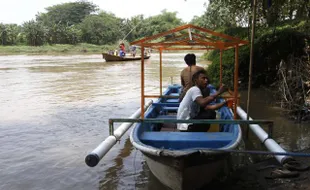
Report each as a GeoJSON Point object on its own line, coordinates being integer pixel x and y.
{"type": "Point", "coordinates": [131, 30]}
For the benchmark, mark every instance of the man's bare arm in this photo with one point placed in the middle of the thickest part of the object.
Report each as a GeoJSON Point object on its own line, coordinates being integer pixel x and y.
{"type": "Point", "coordinates": [218, 105]}
{"type": "Point", "coordinates": [204, 101]}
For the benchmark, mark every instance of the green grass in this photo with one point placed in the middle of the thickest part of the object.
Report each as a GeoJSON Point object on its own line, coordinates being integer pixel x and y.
{"type": "Point", "coordinates": [82, 48]}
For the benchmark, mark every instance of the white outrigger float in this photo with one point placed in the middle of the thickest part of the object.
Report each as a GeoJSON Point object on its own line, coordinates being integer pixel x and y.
{"type": "Point", "coordinates": [185, 160]}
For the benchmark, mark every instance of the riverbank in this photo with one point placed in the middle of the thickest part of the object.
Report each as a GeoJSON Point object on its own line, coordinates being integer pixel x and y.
{"type": "Point", "coordinates": [82, 48]}
{"type": "Point", "coordinates": [258, 176]}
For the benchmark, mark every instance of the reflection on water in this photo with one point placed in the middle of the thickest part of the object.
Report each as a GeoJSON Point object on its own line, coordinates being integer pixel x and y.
{"type": "Point", "coordinates": [290, 135]}
{"type": "Point", "coordinates": [54, 110]}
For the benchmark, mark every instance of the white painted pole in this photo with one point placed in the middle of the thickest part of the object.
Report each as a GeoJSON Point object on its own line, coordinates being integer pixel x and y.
{"type": "Point", "coordinates": [93, 158]}
{"type": "Point", "coordinates": [270, 144]}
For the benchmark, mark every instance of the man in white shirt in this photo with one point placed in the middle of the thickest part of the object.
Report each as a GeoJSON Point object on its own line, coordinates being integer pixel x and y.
{"type": "Point", "coordinates": [193, 101]}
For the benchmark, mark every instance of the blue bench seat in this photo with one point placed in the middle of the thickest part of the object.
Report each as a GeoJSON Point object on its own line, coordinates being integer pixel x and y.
{"type": "Point", "coordinates": [185, 140]}
{"type": "Point", "coordinates": [167, 108]}
{"type": "Point", "coordinates": [173, 100]}
{"type": "Point", "coordinates": [174, 94]}
{"type": "Point", "coordinates": [166, 117]}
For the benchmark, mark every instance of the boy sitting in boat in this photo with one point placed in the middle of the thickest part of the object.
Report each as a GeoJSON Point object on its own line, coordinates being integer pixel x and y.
{"type": "Point", "coordinates": [194, 105]}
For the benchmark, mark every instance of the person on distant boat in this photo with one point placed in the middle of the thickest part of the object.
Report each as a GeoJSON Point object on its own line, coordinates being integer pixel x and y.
{"type": "Point", "coordinates": [187, 73]}
{"type": "Point", "coordinates": [133, 50]}
{"type": "Point", "coordinates": [122, 51]}
{"type": "Point", "coordinates": [193, 105]}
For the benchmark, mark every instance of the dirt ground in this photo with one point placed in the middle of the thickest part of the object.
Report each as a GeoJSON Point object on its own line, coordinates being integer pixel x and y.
{"type": "Point", "coordinates": [255, 176]}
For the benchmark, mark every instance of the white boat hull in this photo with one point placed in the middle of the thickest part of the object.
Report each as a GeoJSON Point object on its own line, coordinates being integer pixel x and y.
{"type": "Point", "coordinates": [191, 172]}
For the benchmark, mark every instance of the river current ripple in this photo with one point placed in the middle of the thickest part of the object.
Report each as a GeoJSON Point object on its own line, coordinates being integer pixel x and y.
{"type": "Point", "coordinates": [55, 110]}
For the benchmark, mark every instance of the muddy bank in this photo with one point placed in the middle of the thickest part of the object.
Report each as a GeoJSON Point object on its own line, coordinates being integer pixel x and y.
{"type": "Point", "coordinates": [257, 176]}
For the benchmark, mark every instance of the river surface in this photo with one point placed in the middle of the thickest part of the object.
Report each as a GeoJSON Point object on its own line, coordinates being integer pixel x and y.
{"type": "Point", "coordinates": [55, 110]}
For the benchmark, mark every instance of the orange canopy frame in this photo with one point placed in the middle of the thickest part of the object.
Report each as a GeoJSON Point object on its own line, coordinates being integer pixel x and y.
{"type": "Point", "coordinates": [189, 37]}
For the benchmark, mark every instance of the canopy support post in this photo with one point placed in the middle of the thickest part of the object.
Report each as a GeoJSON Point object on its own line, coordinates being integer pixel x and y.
{"type": "Point", "coordinates": [251, 63]}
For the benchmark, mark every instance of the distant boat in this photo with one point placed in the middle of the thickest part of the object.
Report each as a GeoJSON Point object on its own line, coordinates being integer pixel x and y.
{"type": "Point", "coordinates": [109, 57]}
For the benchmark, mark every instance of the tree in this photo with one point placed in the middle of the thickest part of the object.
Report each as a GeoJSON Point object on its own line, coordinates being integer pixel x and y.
{"type": "Point", "coordinates": [35, 33]}
{"type": "Point", "coordinates": [3, 34]}
{"type": "Point", "coordinates": [62, 21]}
{"type": "Point", "coordinates": [224, 13]}
{"type": "Point", "coordinates": [103, 28]}
{"type": "Point", "coordinates": [159, 23]}
{"type": "Point", "coordinates": [9, 34]}
{"type": "Point", "coordinates": [67, 13]}
{"type": "Point", "coordinates": [230, 13]}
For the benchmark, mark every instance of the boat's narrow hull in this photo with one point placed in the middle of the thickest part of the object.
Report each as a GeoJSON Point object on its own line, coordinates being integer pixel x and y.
{"type": "Point", "coordinates": [191, 172]}
{"type": "Point", "coordinates": [109, 58]}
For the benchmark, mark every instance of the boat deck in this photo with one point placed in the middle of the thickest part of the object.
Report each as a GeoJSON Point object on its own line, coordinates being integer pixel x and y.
{"type": "Point", "coordinates": [167, 136]}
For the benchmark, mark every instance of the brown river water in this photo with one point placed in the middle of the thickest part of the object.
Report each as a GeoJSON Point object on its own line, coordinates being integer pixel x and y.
{"type": "Point", "coordinates": [55, 110]}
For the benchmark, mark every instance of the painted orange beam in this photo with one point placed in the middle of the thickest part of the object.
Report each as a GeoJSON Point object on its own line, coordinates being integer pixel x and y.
{"type": "Point", "coordinates": [227, 48]}
{"type": "Point", "coordinates": [160, 34]}
{"type": "Point", "coordinates": [201, 40]}
{"type": "Point", "coordinates": [189, 48]}
{"type": "Point", "coordinates": [175, 38]}
{"type": "Point", "coordinates": [221, 44]}
{"type": "Point", "coordinates": [201, 36]}
{"type": "Point", "coordinates": [218, 34]}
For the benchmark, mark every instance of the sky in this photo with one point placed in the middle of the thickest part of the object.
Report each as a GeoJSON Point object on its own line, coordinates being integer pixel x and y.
{"type": "Point", "coordinates": [19, 11]}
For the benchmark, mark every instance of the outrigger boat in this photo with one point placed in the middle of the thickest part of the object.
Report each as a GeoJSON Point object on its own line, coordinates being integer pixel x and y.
{"type": "Point", "coordinates": [109, 57]}
{"type": "Point", "coordinates": [186, 160]}
{"type": "Point", "coordinates": [183, 160]}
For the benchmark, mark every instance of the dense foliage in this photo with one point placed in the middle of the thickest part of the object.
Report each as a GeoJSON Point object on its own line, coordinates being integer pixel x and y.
{"type": "Point", "coordinates": [282, 29]}
{"type": "Point", "coordinates": [83, 22]}
{"type": "Point", "coordinates": [231, 13]}
{"type": "Point", "coordinates": [270, 47]}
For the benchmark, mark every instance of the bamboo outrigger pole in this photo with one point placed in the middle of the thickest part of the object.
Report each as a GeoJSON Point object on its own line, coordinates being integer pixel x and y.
{"type": "Point", "coordinates": [142, 82]}
{"type": "Point", "coordinates": [266, 140]}
{"type": "Point", "coordinates": [93, 158]}
{"type": "Point", "coordinates": [236, 80]}
{"type": "Point", "coordinates": [251, 60]}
